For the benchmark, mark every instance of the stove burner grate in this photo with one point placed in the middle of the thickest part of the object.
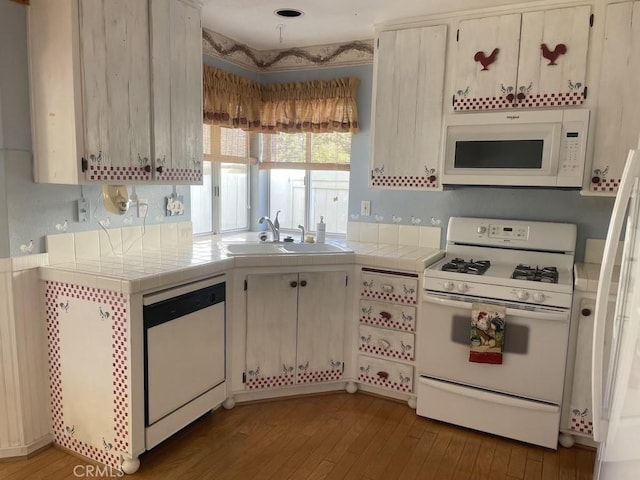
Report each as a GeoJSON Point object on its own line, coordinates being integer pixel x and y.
{"type": "Point", "coordinates": [458, 265]}
{"type": "Point", "coordinates": [535, 274]}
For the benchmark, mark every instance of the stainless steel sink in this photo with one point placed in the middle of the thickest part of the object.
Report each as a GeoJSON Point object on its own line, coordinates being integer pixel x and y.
{"type": "Point", "coordinates": [284, 248]}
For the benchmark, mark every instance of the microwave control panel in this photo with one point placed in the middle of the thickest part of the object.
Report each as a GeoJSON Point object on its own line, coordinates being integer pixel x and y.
{"type": "Point", "coordinates": [570, 152]}
{"type": "Point", "coordinates": [573, 146]}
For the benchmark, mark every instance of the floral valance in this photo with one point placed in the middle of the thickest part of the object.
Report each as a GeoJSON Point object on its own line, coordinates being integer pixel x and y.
{"type": "Point", "coordinates": [316, 106]}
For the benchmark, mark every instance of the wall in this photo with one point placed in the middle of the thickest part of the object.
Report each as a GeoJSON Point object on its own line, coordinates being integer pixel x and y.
{"type": "Point", "coordinates": [31, 210]}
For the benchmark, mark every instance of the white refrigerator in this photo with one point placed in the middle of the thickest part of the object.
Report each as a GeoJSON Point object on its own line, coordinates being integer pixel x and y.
{"type": "Point", "coordinates": [616, 376]}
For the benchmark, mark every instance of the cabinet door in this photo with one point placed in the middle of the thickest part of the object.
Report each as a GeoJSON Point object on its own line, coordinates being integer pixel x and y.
{"type": "Point", "coordinates": [487, 63]}
{"type": "Point", "coordinates": [271, 330]}
{"type": "Point", "coordinates": [321, 311]}
{"type": "Point", "coordinates": [114, 60]}
{"type": "Point", "coordinates": [617, 119]}
{"type": "Point", "coordinates": [176, 60]}
{"type": "Point", "coordinates": [407, 99]}
{"type": "Point", "coordinates": [552, 66]}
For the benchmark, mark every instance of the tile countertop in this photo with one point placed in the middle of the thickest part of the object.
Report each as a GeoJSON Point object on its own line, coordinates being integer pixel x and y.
{"type": "Point", "coordinates": [586, 276]}
{"type": "Point", "coordinates": [151, 269]}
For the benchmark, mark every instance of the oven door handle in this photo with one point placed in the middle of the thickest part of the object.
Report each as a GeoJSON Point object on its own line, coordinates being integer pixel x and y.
{"type": "Point", "coordinates": [551, 316]}
{"type": "Point", "coordinates": [476, 394]}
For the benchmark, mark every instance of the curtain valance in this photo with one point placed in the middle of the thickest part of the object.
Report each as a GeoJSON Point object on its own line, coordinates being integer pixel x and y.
{"type": "Point", "coordinates": [315, 106]}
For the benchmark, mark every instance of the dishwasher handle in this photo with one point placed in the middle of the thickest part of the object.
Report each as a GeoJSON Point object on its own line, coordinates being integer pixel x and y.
{"type": "Point", "coordinates": [182, 305]}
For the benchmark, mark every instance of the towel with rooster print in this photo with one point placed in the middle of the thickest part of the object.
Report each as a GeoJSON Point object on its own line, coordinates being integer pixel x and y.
{"type": "Point", "coordinates": [487, 333]}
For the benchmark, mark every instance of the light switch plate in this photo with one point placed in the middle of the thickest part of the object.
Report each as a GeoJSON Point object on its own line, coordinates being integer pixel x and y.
{"type": "Point", "coordinates": [84, 210]}
{"type": "Point", "coordinates": [365, 208]}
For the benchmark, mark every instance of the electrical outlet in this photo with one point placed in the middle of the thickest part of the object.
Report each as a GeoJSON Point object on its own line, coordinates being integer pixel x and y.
{"type": "Point", "coordinates": [84, 210]}
{"type": "Point", "coordinates": [365, 208]}
{"type": "Point", "coordinates": [143, 208]}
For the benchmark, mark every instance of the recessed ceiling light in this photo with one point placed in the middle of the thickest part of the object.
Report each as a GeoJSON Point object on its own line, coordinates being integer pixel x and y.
{"type": "Point", "coordinates": [288, 13]}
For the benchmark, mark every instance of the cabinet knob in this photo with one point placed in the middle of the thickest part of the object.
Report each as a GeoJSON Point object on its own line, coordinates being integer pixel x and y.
{"type": "Point", "coordinates": [159, 169]}
{"type": "Point", "coordinates": [586, 312]}
{"type": "Point", "coordinates": [387, 288]}
{"type": "Point", "coordinates": [147, 168]}
{"type": "Point", "coordinates": [385, 315]}
{"type": "Point", "coordinates": [595, 179]}
{"type": "Point", "coordinates": [521, 96]}
{"type": "Point", "coordinates": [293, 284]}
{"type": "Point", "coordinates": [303, 283]}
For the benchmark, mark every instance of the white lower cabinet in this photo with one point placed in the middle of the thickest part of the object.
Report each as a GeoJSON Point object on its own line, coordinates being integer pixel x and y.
{"type": "Point", "coordinates": [386, 331]}
{"type": "Point", "coordinates": [295, 328]}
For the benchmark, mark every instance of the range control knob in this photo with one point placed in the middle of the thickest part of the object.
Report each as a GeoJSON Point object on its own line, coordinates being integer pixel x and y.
{"type": "Point", "coordinates": [539, 297]}
{"type": "Point", "coordinates": [448, 286]}
{"type": "Point", "coordinates": [522, 295]}
{"type": "Point", "coordinates": [463, 287]}
{"type": "Point", "coordinates": [481, 229]}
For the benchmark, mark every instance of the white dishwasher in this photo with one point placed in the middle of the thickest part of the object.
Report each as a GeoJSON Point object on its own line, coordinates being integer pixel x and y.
{"type": "Point", "coordinates": [184, 342]}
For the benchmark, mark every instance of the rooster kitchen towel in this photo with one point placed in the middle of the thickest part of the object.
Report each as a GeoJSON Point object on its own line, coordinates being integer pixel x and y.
{"type": "Point", "coordinates": [487, 333]}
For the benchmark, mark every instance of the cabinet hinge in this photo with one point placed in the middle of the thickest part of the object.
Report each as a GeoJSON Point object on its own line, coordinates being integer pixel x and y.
{"type": "Point", "coordinates": [371, 174]}
{"type": "Point", "coordinates": [591, 20]}
{"type": "Point", "coordinates": [453, 100]}
{"type": "Point", "coordinates": [343, 368]}
{"type": "Point", "coordinates": [458, 35]}
{"type": "Point", "coordinates": [378, 43]}
{"type": "Point", "coordinates": [346, 280]}
{"type": "Point", "coordinates": [244, 377]}
{"type": "Point", "coordinates": [584, 92]}
{"type": "Point", "coordinates": [84, 165]}
{"type": "Point", "coordinates": [245, 285]}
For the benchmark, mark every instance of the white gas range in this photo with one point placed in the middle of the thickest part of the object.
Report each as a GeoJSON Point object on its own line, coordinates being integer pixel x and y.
{"type": "Point", "coordinates": [527, 269]}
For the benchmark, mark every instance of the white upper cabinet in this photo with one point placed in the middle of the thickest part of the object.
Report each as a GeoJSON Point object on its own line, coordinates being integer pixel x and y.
{"type": "Point", "coordinates": [617, 120]}
{"type": "Point", "coordinates": [534, 59]}
{"type": "Point", "coordinates": [407, 107]}
{"type": "Point", "coordinates": [116, 91]}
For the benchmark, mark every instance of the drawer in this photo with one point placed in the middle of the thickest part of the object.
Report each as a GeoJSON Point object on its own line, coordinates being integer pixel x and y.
{"type": "Point", "coordinates": [388, 315]}
{"type": "Point", "coordinates": [386, 343]}
{"type": "Point", "coordinates": [385, 373]}
{"type": "Point", "coordinates": [389, 287]}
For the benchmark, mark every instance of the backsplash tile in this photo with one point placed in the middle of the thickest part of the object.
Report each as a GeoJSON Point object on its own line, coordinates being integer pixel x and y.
{"type": "Point", "coordinates": [388, 234]}
{"type": "Point", "coordinates": [61, 248]}
{"type": "Point", "coordinates": [391, 234]}
{"type": "Point", "coordinates": [430, 237]}
{"type": "Point", "coordinates": [408, 235]}
{"type": "Point", "coordinates": [87, 244]}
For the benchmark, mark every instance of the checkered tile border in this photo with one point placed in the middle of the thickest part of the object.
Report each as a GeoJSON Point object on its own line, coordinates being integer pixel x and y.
{"type": "Point", "coordinates": [381, 322]}
{"type": "Point", "coordinates": [403, 181]}
{"type": "Point", "coordinates": [121, 174]}
{"type": "Point", "coordinates": [538, 100]}
{"type": "Point", "coordinates": [390, 297]}
{"type": "Point", "coordinates": [581, 425]}
{"type": "Point", "coordinates": [179, 175]}
{"type": "Point", "coordinates": [270, 382]}
{"type": "Point", "coordinates": [606, 185]}
{"type": "Point", "coordinates": [319, 376]}
{"type": "Point", "coordinates": [381, 382]}
{"type": "Point", "coordinates": [121, 370]}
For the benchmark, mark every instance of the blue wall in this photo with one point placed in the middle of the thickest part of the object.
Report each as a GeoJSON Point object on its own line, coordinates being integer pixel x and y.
{"type": "Point", "coordinates": [29, 211]}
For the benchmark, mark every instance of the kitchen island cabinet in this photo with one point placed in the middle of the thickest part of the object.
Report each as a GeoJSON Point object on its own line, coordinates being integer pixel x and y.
{"type": "Point", "coordinates": [116, 91]}
{"type": "Point", "coordinates": [533, 59]}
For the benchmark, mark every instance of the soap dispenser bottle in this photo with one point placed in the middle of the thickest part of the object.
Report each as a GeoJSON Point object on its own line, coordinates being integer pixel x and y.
{"type": "Point", "coordinates": [320, 230]}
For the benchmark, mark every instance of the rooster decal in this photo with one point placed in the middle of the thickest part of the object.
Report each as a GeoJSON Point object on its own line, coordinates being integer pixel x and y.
{"type": "Point", "coordinates": [552, 55]}
{"type": "Point", "coordinates": [484, 60]}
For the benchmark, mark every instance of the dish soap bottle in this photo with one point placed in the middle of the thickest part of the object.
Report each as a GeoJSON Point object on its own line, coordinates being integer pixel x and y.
{"type": "Point", "coordinates": [320, 230]}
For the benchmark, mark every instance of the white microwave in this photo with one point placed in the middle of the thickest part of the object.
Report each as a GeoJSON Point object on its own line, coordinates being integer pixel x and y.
{"type": "Point", "coordinates": [518, 148]}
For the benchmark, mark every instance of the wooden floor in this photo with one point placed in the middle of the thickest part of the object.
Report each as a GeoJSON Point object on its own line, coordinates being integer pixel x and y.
{"type": "Point", "coordinates": [337, 436]}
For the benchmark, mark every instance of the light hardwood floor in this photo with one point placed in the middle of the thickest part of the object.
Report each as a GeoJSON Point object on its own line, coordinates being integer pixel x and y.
{"type": "Point", "coordinates": [336, 436]}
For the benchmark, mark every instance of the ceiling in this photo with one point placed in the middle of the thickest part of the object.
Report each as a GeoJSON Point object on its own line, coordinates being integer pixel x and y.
{"type": "Point", "coordinates": [254, 23]}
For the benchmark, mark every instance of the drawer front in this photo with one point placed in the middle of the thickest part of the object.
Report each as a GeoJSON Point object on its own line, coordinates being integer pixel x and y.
{"type": "Point", "coordinates": [386, 343]}
{"type": "Point", "coordinates": [385, 373]}
{"type": "Point", "coordinates": [390, 288]}
{"type": "Point", "coordinates": [388, 315]}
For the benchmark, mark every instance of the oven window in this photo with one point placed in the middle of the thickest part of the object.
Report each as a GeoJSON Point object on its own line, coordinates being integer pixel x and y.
{"type": "Point", "coordinates": [520, 154]}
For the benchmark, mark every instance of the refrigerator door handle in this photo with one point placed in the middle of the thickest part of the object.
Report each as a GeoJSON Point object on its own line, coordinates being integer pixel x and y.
{"type": "Point", "coordinates": [618, 216]}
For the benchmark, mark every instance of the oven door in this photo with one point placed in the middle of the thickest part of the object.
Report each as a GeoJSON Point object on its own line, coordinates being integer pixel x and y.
{"type": "Point", "coordinates": [534, 352]}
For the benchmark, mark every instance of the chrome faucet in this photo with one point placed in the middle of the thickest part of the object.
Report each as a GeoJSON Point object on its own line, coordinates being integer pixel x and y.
{"type": "Point", "coordinates": [274, 230]}
{"type": "Point", "coordinates": [302, 234]}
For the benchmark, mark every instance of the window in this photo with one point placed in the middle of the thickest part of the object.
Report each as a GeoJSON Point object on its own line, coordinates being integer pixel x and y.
{"type": "Point", "coordinates": [308, 178]}
{"type": "Point", "coordinates": [221, 203]}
